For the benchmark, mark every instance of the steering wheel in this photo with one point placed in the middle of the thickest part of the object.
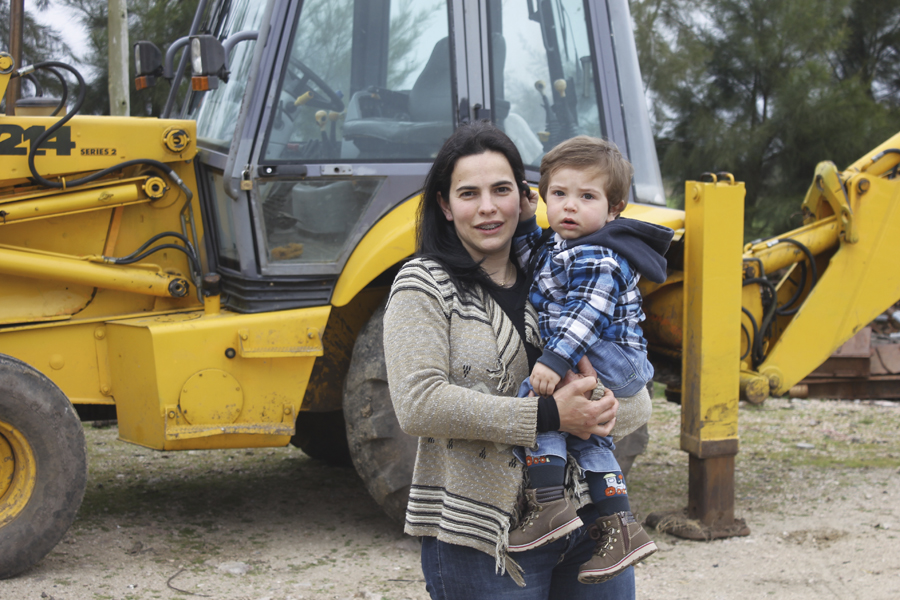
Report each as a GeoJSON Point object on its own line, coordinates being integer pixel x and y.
{"type": "Point", "coordinates": [324, 97]}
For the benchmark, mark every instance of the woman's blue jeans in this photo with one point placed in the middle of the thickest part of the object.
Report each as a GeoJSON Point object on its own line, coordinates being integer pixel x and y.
{"type": "Point", "coordinates": [551, 573]}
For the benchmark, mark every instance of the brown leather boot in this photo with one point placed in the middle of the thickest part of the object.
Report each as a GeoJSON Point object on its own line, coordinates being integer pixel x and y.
{"type": "Point", "coordinates": [621, 542]}
{"type": "Point", "coordinates": [549, 516]}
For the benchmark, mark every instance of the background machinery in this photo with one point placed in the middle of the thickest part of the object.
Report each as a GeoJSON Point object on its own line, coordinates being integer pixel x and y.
{"type": "Point", "coordinates": [217, 280]}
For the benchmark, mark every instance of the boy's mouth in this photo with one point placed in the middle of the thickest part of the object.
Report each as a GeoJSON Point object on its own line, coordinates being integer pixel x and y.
{"type": "Point", "coordinates": [568, 221]}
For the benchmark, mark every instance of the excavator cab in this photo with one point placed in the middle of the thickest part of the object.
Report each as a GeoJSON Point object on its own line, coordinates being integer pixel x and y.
{"type": "Point", "coordinates": [331, 116]}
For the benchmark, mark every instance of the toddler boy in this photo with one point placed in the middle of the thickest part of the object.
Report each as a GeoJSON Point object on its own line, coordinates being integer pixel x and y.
{"type": "Point", "coordinates": [585, 291]}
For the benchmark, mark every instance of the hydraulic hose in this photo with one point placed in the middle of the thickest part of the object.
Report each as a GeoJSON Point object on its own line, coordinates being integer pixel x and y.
{"type": "Point", "coordinates": [55, 127]}
{"type": "Point", "coordinates": [139, 254]}
{"type": "Point", "coordinates": [65, 91]}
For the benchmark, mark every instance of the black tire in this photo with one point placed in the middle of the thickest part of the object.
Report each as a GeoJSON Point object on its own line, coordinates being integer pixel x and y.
{"type": "Point", "coordinates": [41, 434]}
{"type": "Point", "coordinates": [382, 453]}
{"type": "Point", "coordinates": [322, 436]}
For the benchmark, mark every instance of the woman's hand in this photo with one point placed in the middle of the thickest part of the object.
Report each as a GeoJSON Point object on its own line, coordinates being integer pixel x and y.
{"type": "Point", "coordinates": [528, 203]}
{"type": "Point", "coordinates": [582, 417]}
{"type": "Point", "coordinates": [585, 369]}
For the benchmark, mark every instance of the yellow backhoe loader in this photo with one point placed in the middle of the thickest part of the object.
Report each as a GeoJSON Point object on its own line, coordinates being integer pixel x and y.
{"type": "Point", "coordinates": [216, 280]}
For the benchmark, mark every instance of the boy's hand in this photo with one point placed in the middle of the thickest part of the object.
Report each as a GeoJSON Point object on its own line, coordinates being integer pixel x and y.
{"type": "Point", "coordinates": [544, 379]}
{"type": "Point", "coordinates": [528, 203]}
{"type": "Point", "coordinates": [585, 369]}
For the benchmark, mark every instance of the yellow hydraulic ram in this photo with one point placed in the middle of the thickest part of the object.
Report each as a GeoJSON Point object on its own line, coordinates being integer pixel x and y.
{"type": "Point", "coordinates": [40, 206]}
{"type": "Point", "coordinates": [59, 267]}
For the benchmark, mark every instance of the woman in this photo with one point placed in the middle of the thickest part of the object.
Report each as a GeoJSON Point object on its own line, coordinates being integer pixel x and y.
{"type": "Point", "coordinates": [459, 336]}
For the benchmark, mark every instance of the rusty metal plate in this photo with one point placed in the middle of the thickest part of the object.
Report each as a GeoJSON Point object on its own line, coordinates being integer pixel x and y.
{"type": "Point", "coordinates": [886, 359]}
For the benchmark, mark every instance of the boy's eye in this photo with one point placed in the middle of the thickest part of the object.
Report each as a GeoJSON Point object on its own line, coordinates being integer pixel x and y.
{"type": "Point", "coordinates": [588, 196]}
{"type": "Point", "coordinates": [558, 193]}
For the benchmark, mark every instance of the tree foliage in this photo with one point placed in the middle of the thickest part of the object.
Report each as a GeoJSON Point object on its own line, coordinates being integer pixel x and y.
{"type": "Point", "coordinates": [39, 43]}
{"type": "Point", "coordinates": [766, 89]}
{"type": "Point", "coordinates": [159, 21]}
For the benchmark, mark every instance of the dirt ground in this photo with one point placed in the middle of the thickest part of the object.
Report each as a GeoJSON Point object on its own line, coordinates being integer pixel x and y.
{"type": "Point", "coordinates": [818, 482]}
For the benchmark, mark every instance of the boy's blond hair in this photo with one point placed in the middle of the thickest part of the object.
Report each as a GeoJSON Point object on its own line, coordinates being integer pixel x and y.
{"type": "Point", "coordinates": [583, 153]}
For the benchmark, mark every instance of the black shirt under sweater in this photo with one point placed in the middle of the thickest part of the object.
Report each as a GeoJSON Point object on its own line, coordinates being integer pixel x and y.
{"type": "Point", "coordinates": [512, 300]}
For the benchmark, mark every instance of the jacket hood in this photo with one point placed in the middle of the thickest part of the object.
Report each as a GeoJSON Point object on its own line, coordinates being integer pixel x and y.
{"type": "Point", "coordinates": [643, 245]}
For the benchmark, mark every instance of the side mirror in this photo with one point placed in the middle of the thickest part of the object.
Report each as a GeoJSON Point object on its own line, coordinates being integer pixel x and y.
{"type": "Point", "coordinates": [147, 65]}
{"type": "Point", "coordinates": [207, 63]}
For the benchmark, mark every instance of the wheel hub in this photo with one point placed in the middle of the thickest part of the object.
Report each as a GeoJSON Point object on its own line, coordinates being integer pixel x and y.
{"type": "Point", "coordinates": [17, 472]}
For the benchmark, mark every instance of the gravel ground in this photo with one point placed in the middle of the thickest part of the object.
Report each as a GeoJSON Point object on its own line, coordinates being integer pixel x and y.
{"type": "Point", "coordinates": [817, 482]}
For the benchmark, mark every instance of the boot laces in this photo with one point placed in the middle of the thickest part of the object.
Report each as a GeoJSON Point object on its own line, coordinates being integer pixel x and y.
{"type": "Point", "coordinates": [605, 539]}
{"type": "Point", "coordinates": [533, 511]}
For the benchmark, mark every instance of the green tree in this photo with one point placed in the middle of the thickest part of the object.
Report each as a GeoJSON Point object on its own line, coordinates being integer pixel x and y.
{"type": "Point", "coordinates": [755, 88]}
{"type": "Point", "coordinates": [872, 49]}
{"type": "Point", "coordinates": [39, 43]}
{"type": "Point", "coordinates": [159, 21]}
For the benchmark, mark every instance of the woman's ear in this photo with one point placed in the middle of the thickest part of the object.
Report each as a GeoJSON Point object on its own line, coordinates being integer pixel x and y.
{"type": "Point", "coordinates": [445, 208]}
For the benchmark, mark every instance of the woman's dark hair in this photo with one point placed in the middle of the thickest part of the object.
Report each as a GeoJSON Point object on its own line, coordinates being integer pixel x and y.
{"type": "Point", "coordinates": [436, 236]}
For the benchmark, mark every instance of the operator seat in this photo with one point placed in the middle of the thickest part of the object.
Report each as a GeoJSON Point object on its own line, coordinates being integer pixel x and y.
{"type": "Point", "coordinates": [412, 124]}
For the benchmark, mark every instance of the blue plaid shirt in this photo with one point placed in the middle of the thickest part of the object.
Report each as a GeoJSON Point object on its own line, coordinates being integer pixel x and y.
{"type": "Point", "coordinates": [582, 294]}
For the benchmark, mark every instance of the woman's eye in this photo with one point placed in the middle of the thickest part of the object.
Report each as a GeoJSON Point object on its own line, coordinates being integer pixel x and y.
{"type": "Point", "coordinates": [504, 189]}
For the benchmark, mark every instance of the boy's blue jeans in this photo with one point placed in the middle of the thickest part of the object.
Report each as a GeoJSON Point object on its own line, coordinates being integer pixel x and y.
{"type": "Point", "coordinates": [621, 369]}
{"type": "Point", "coordinates": [593, 454]}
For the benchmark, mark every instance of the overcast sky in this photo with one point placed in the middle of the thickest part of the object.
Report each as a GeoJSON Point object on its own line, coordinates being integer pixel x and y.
{"type": "Point", "coordinates": [65, 21]}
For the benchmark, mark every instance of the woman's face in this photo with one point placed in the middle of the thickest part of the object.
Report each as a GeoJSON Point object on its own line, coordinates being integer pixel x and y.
{"type": "Point", "coordinates": [483, 204]}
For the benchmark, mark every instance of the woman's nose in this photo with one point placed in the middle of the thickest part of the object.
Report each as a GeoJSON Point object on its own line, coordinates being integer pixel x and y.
{"type": "Point", "coordinates": [487, 205]}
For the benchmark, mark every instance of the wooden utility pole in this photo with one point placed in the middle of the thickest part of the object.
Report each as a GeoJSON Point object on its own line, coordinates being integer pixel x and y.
{"type": "Point", "coordinates": [119, 104]}
{"type": "Point", "coordinates": [16, 27]}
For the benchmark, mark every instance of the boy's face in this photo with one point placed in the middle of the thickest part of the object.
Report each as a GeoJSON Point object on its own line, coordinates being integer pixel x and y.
{"type": "Point", "coordinates": [576, 202]}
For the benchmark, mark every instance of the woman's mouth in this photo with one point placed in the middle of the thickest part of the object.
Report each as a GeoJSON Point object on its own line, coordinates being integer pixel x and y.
{"type": "Point", "coordinates": [488, 226]}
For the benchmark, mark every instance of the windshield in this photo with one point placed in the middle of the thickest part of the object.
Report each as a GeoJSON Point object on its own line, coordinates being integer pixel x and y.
{"type": "Point", "coordinates": [362, 82]}
{"type": "Point", "coordinates": [545, 89]}
{"type": "Point", "coordinates": [217, 111]}
{"type": "Point", "coordinates": [641, 147]}
{"type": "Point", "coordinates": [543, 86]}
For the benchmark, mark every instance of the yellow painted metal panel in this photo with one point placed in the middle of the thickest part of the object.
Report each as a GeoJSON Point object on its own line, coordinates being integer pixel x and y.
{"type": "Point", "coordinates": [862, 279]}
{"type": "Point", "coordinates": [659, 215]}
{"type": "Point", "coordinates": [273, 343]}
{"type": "Point", "coordinates": [389, 241]}
{"type": "Point", "coordinates": [96, 143]}
{"type": "Point", "coordinates": [66, 353]}
{"type": "Point", "coordinates": [152, 359]}
{"type": "Point", "coordinates": [26, 299]}
{"type": "Point", "coordinates": [712, 313]}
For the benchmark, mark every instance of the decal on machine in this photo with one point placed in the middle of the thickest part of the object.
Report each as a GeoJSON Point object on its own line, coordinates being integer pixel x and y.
{"type": "Point", "coordinates": [13, 138]}
{"type": "Point", "coordinates": [98, 151]}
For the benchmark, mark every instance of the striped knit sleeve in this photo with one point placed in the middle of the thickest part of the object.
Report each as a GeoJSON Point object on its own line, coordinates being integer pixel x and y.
{"type": "Point", "coordinates": [417, 345]}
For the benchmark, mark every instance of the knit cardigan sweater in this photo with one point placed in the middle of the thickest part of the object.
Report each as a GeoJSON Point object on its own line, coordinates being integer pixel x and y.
{"type": "Point", "coordinates": [454, 366]}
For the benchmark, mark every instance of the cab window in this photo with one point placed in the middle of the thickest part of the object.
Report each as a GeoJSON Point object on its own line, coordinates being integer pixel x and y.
{"type": "Point", "coordinates": [217, 110]}
{"type": "Point", "coordinates": [364, 80]}
{"type": "Point", "coordinates": [542, 81]}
